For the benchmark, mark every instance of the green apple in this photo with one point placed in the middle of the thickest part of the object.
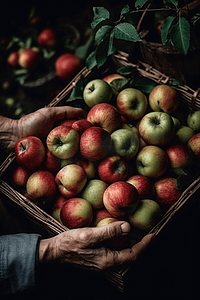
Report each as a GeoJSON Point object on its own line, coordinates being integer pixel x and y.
{"type": "Point", "coordinates": [183, 134]}
{"type": "Point", "coordinates": [63, 142]}
{"type": "Point", "coordinates": [152, 161]}
{"type": "Point", "coordinates": [146, 215]}
{"type": "Point", "coordinates": [131, 103]}
{"type": "Point", "coordinates": [156, 128]}
{"type": "Point", "coordinates": [93, 192]}
{"type": "Point", "coordinates": [164, 98]}
{"type": "Point", "coordinates": [125, 143]}
{"type": "Point", "coordinates": [97, 91]}
{"type": "Point", "coordinates": [193, 121]}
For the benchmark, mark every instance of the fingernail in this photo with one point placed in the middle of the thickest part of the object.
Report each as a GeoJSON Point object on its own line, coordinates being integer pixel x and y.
{"type": "Point", "coordinates": [125, 227]}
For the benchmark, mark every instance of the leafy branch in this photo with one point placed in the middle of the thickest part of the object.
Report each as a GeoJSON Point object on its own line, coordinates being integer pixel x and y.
{"type": "Point", "coordinates": [175, 28]}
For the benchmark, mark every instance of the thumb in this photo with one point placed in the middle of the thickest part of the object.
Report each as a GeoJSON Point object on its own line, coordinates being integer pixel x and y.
{"type": "Point", "coordinates": [110, 231]}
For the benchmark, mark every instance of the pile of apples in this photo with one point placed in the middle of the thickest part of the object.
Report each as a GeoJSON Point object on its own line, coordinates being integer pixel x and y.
{"type": "Point", "coordinates": [121, 162]}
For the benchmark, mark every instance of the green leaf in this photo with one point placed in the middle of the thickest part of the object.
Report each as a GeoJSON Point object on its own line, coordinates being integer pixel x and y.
{"type": "Point", "coordinates": [129, 71]}
{"type": "Point", "coordinates": [77, 92]}
{"type": "Point", "coordinates": [171, 2]}
{"type": "Point", "coordinates": [124, 11]}
{"type": "Point", "coordinates": [111, 47]}
{"type": "Point", "coordinates": [102, 52]}
{"type": "Point", "coordinates": [180, 35]}
{"type": "Point", "coordinates": [143, 84]}
{"type": "Point", "coordinates": [103, 33]}
{"type": "Point", "coordinates": [91, 60]}
{"type": "Point", "coordinates": [140, 3]}
{"type": "Point", "coordinates": [127, 32]}
{"type": "Point", "coordinates": [119, 84]}
{"type": "Point", "coordinates": [166, 29]}
{"type": "Point", "coordinates": [100, 14]}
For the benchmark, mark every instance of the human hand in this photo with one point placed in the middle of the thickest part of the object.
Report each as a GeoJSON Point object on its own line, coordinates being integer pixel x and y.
{"type": "Point", "coordinates": [38, 123]}
{"type": "Point", "coordinates": [83, 247]}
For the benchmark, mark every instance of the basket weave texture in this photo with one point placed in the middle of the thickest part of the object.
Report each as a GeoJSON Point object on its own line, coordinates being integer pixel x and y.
{"type": "Point", "coordinates": [53, 227]}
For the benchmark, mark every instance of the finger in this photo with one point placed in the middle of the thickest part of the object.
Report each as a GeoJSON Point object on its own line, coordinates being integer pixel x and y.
{"type": "Point", "coordinates": [129, 255]}
{"type": "Point", "coordinates": [66, 112]}
{"type": "Point", "coordinates": [100, 234]}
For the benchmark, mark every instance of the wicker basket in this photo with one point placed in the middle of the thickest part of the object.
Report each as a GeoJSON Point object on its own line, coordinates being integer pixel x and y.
{"type": "Point", "coordinates": [52, 227]}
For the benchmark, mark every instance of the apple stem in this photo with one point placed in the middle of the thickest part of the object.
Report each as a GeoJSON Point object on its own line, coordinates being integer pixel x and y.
{"type": "Point", "coordinates": [92, 88]}
{"type": "Point", "coordinates": [22, 145]}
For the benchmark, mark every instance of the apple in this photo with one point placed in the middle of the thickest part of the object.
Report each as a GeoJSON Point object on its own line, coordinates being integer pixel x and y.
{"type": "Point", "coordinates": [20, 176]}
{"type": "Point", "coordinates": [99, 215]}
{"type": "Point", "coordinates": [177, 123]}
{"type": "Point", "coordinates": [70, 180]}
{"type": "Point", "coordinates": [29, 58]}
{"type": "Point", "coordinates": [143, 185]}
{"type": "Point", "coordinates": [13, 59]}
{"type": "Point", "coordinates": [156, 128]}
{"type": "Point", "coordinates": [112, 79]}
{"type": "Point", "coordinates": [63, 142]}
{"type": "Point", "coordinates": [41, 187]}
{"type": "Point", "coordinates": [105, 116]}
{"type": "Point", "coordinates": [164, 98]}
{"type": "Point", "coordinates": [167, 191]}
{"type": "Point", "coordinates": [57, 206]}
{"type": "Point", "coordinates": [47, 38]}
{"type": "Point", "coordinates": [114, 243]}
{"type": "Point", "coordinates": [76, 213]}
{"type": "Point", "coordinates": [51, 163]}
{"type": "Point", "coordinates": [152, 161]}
{"type": "Point", "coordinates": [97, 91]}
{"type": "Point", "coordinates": [194, 145]}
{"type": "Point", "coordinates": [113, 168]}
{"type": "Point", "coordinates": [67, 65]}
{"type": "Point", "coordinates": [93, 192]}
{"type": "Point", "coordinates": [131, 103]}
{"type": "Point", "coordinates": [88, 165]}
{"type": "Point", "coordinates": [179, 155]}
{"type": "Point", "coordinates": [146, 215]}
{"type": "Point", "coordinates": [29, 152]}
{"type": "Point", "coordinates": [81, 125]}
{"type": "Point", "coordinates": [120, 198]}
{"type": "Point", "coordinates": [125, 143]}
{"type": "Point", "coordinates": [183, 134]}
{"type": "Point", "coordinates": [193, 120]}
{"type": "Point", "coordinates": [95, 143]}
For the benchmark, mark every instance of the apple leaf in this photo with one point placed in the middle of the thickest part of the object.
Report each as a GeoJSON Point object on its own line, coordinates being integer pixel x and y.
{"type": "Point", "coordinates": [143, 84]}
{"type": "Point", "coordinates": [100, 14]}
{"type": "Point", "coordinates": [102, 33]}
{"type": "Point", "coordinates": [91, 60]}
{"type": "Point", "coordinates": [126, 31]}
{"type": "Point", "coordinates": [124, 11]}
{"type": "Point", "coordinates": [119, 84]}
{"type": "Point", "coordinates": [129, 71]}
{"type": "Point", "coordinates": [140, 3]}
{"type": "Point", "coordinates": [102, 51]}
{"type": "Point", "coordinates": [77, 91]}
{"type": "Point", "coordinates": [166, 29]}
{"type": "Point", "coordinates": [180, 35]}
{"type": "Point", "coordinates": [171, 2]}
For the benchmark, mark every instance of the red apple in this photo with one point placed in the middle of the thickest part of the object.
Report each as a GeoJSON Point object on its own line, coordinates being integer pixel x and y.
{"type": "Point", "coordinates": [41, 187]}
{"type": "Point", "coordinates": [47, 38]}
{"type": "Point", "coordinates": [29, 58]}
{"type": "Point", "coordinates": [71, 179]}
{"type": "Point", "coordinates": [194, 145]}
{"type": "Point", "coordinates": [63, 142]}
{"type": "Point", "coordinates": [67, 65]}
{"type": "Point", "coordinates": [120, 198]}
{"type": "Point", "coordinates": [109, 78]}
{"type": "Point", "coordinates": [180, 155]}
{"type": "Point", "coordinates": [115, 243]}
{"type": "Point", "coordinates": [143, 185]}
{"type": "Point", "coordinates": [81, 125]}
{"type": "Point", "coordinates": [51, 163]}
{"type": "Point", "coordinates": [95, 143]}
{"type": "Point", "coordinates": [57, 206]}
{"type": "Point", "coordinates": [113, 168]}
{"type": "Point", "coordinates": [67, 122]}
{"type": "Point", "coordinates": [76, 212]}
{"type": "Point", "coordinates": [167, 191]}
{"type": "Point", "coordinates": [99, 215]}
{"type": "Point", "coordinates": [30, 152]}
{"type": "Point", "coordinates": [20, 176]}
{"type": "Point", "coordinates": [13, 59]}
{"type": "Point", "coordinates": [104, 115]}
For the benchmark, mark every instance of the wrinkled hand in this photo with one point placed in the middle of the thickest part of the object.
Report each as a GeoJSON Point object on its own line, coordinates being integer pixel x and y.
{"type": "Point", "coordinates": [38, 123]}
{"type": "Point", "coordinates": [82, 247]}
